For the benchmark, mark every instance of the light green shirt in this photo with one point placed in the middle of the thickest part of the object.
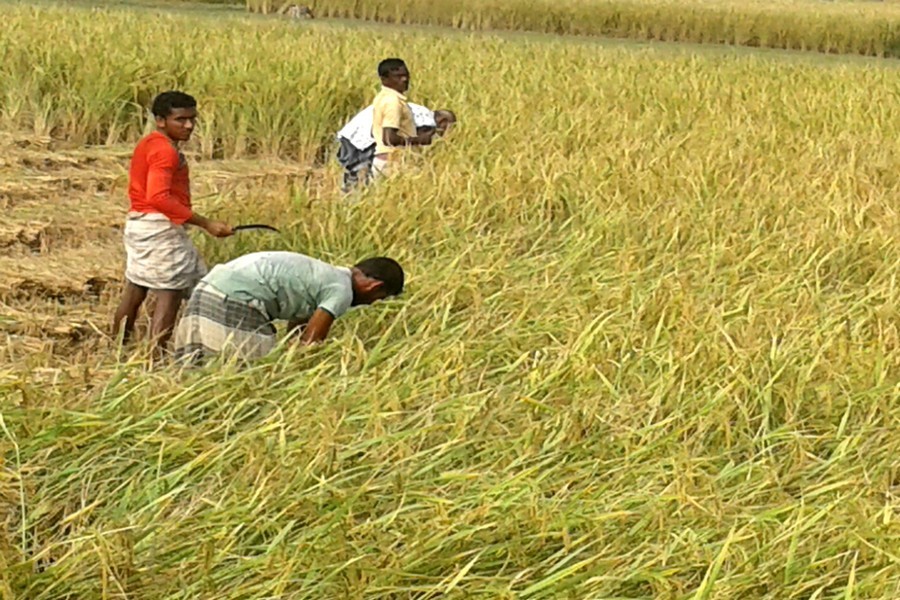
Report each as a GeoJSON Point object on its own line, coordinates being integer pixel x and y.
{"type": "Point", "coordinates": [285, 285]}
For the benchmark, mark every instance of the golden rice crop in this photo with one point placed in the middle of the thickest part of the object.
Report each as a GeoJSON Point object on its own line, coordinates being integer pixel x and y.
{"type": "Point", "coordinates": [264, 6]}
{"type": "Point", "coordinates": [855, 27]}
{"type": "Point", "coordinates": [649, 347]}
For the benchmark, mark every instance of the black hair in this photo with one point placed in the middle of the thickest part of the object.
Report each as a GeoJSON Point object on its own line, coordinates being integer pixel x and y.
{"type": "Point", "coordinates": [389, 64]}
{"type": "Point", "coordinates": [447, 113]}
{"type": "Point", "coordinates": [165, 102]}
{"type": "Point", "coordinates": [386, 270]}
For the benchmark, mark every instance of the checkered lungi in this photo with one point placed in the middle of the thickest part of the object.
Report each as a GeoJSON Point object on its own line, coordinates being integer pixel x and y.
{"type": "Point", "coordinates": [215, 324]}
{"type": "Point", "coordinates": [354, 162]}
{"type": "Point", "coordinates": [160, 254]}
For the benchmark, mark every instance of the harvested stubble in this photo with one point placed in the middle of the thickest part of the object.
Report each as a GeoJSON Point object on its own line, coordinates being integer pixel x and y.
{"type": "Point", "coordinates": [60, 241]}
{"type": "Point", "coordinates": [649, 347]}
{"type": "Point", "coordinates": [854, 27]}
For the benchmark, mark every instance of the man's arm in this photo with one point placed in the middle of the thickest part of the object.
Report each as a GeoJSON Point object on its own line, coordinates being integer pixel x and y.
{"type": "Point", "coordinates": [293, 326]}
{"type": "Point", "coordinates": [317, 328]}
{"type": "Point", "coordinates": [161, 168]}
{"type": "Point", "coordinates": [390, 124]}
{"type": "Point", "coordinates": [392, 137]}
{"type": "Point", "coordinates": [213, 228]}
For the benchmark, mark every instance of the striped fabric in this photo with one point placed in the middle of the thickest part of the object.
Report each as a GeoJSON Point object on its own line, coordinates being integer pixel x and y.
{"type": "Point", "coordinates": [214, 324]}
{"type": "Point", "coordinates": [355, 161]}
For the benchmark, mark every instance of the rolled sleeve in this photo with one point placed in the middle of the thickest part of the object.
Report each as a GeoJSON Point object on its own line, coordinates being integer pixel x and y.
{"type": "Point", "coordinates": [391, 113]}
{"type": "Point", "coordinates": [336, 299]}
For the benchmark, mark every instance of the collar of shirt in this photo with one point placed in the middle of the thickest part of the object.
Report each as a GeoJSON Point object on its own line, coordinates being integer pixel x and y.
{"type": "Point", "coordinates": [387, 89]}
{"type": "Point", "coordinates": [182, 160]}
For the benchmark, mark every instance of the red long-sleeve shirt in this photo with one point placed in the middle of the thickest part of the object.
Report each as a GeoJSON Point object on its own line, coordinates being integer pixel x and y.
{"type": "Point", "coordinates": [158, 180]}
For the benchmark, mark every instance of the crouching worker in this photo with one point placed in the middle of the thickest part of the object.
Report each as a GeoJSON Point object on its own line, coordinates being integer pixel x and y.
{"type": "Point", "coordinates": [357, 144]}
{"type": "Point", "coordinates": [232, 309]}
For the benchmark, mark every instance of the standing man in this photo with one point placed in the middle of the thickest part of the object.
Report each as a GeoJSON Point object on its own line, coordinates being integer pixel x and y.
{"type": "Point", "coordinates": [393, 126]}
{"type": "Point", "coordinates": [357, 145]}
{"type": "Point", "coordinates": [160, 255]}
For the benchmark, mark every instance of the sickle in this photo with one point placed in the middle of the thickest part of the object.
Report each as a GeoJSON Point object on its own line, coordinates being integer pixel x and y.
{"type": "Point", "coordinates": [255, 226]}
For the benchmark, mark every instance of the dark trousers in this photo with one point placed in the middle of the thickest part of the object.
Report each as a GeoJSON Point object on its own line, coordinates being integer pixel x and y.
{"type": "Point", "coordinates": [354, 162]}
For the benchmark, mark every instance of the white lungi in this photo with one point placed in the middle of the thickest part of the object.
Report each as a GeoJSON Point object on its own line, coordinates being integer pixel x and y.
{"type": "Point", "coordinates": [160, 254]}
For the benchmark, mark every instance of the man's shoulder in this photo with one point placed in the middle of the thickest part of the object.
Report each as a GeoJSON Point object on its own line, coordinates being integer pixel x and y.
{"type": "Point", "coordinates": [307, 265]}
{"type": "Point", "coordinates": [385, 93]}
{"type": "Point", "coordinates": [157, 145]}
{"type": "Point", "coordinates": [358, 120]}
{"type": "Point", "coordinates": [335, 286]}
{"type": "Point", "coordinates": [327, 270]}
{"type": "Point", "coordinates": [329, 275]}
{"type": "Point", "coordinates": [155, 138]}
{"type": "Point", "coordinates": [362, 115]}
{"type": "Point", "coordinates": [321, 278]}
{"type": "Point", "coordinates": [386, 97]}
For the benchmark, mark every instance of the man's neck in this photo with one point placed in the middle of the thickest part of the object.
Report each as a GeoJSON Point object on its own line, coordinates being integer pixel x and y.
{"type": "Point", "coordinates": [163, 133]}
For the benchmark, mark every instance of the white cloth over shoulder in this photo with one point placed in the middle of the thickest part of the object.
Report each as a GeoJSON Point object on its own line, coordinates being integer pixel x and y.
{"type": "Point", "coordinates": [160, 254]}
{"type": "Point", "coordinates": [359, 130]}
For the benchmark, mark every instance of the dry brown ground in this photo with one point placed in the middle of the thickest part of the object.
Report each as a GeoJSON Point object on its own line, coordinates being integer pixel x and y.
{"type": "Point", "coordinates": [61, 254]}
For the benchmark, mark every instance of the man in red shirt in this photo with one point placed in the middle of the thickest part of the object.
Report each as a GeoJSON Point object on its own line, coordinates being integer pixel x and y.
{"type": "Point", "coordinates": [160, 255]}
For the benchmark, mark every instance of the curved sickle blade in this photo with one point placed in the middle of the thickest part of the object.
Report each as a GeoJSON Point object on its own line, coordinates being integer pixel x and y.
{"type": "Point", "coordinates": [255, 226]}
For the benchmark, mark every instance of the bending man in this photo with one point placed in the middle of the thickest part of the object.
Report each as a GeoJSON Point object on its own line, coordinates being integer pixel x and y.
{"type": "Point", "coordinates": [233, 307]}
{"type": "Point", "coordinates": [357, 144]}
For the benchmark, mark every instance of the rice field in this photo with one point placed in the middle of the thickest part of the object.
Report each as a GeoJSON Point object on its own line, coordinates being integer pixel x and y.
{"type": "Point", "coordinates": [847, 27]}
{"type": "Point", "coordinates": [649, 347]}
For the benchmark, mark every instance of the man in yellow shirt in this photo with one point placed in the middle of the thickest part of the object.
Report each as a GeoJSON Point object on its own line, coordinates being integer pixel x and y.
{"type": "Point", "coordinates": [393, 126]}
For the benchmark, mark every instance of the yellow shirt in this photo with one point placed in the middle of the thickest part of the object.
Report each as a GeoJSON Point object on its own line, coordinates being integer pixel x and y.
{"type": "Point", "coordinates": [389, 109]}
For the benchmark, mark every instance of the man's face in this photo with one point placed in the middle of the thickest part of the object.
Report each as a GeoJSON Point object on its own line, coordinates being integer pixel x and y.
{"type": "Point", "coordinates": [362, 297]}
{"type": "Point", "coordinates": [179, 125]}
{"type": "Point", "coordinates": [443, 123]}
{"type": "Point", "coordinates": [398, 80]}
{"type": "Point", "coordinates": [366, 290]}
